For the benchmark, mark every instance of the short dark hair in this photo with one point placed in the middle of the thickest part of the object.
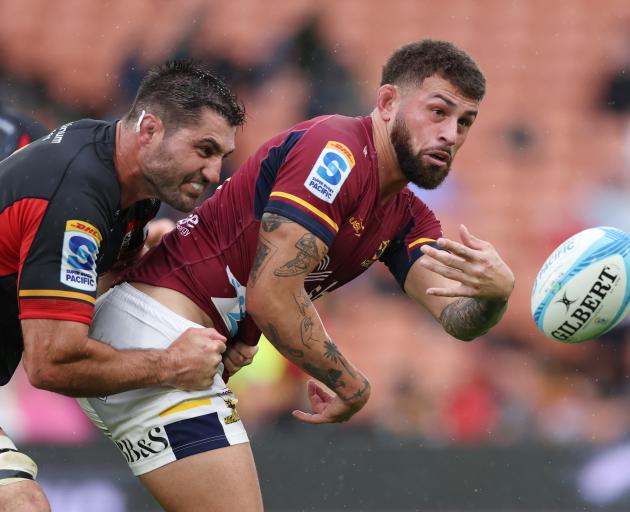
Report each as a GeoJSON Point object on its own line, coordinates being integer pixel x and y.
{"type": "Point", "coordinates": [412, 63]}
{"type": "Point", "coordinates": [178, 90]}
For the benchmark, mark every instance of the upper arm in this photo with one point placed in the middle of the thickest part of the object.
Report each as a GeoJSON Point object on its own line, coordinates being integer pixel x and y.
{"type": "Point", "coordinates": [318, 182]}
{"type": "Point", "coordinates": [286, 253]}
{"type": "Point", "coordinates": [58, 260]}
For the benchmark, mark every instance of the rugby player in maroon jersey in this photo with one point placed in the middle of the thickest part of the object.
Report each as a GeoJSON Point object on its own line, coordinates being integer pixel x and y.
{"type": "Point", "coordinates": [312, 209]}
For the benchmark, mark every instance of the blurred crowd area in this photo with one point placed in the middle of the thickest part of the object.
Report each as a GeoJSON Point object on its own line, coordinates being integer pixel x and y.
{"type": "Point", "coordinates": [549, 155]}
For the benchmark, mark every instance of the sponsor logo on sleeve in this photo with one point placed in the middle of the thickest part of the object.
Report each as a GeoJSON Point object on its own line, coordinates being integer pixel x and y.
{"type": "Point", "coordinates": [59, 133]}
{"type": "Point", "coordinates": [331, 169]}
{"type": "Point", "coordinates": [81, 242]}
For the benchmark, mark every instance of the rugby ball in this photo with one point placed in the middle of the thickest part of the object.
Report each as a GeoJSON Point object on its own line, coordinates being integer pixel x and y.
{"type": "Point", "coordinates": [582, 289]}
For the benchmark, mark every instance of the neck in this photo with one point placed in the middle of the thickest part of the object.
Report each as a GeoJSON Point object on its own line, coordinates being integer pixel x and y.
{"type": "Point", "coordinates": [391, 179]}
{"type": "Point", "coordinates": [127, 168]}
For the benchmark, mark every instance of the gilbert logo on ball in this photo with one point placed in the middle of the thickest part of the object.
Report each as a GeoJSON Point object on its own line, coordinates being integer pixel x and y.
{"type": "Point", "coordinates": [582, 289]}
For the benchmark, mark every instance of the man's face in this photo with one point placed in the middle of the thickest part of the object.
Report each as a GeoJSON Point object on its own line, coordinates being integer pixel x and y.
{"type": "Point", "coordinates": [188, 159]}
{"type": "Point", "coordinates": [430, 126]}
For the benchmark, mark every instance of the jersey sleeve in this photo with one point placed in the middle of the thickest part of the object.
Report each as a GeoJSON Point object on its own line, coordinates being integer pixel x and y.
{"type": "Point", "coordinates": [57, 270]}
{"type": "Point", "coordinates": [320, 180]}
{"type": "Point", "coordinates": [422, 228]}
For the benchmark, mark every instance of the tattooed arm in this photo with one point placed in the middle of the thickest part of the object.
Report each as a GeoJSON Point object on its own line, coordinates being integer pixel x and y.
{"type": "Point", "coordinates": [465, 287]}
{"type": "Point", "coordinates": [280, 306]}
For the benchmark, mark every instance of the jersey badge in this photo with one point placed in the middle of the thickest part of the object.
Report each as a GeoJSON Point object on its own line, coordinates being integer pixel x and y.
{"type": "Point", "coordinates": [357, 226]}
{"type": "Point", "coordinates": [379, 252]}
{"type": "Point", "coordinates": [331, 169]}
{"type": "Point", "coordinates": [81, 242]}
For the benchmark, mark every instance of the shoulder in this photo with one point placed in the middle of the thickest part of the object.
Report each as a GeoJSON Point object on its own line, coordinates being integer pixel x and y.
{"type": "Point", "coordinates": [348, 131]}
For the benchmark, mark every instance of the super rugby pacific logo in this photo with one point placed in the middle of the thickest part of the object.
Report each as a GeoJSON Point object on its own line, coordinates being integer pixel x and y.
{"type": "Point", "coordinates": [81, 243]}
{"type": "Point", "coordinates": [331, 169]}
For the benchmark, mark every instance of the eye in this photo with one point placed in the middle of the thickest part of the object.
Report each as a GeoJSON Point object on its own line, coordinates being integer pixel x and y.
{"type": "Point", "coordinates": [439, 112]}
{"type": "Point", "coordinates": [466, 122]}
{"type": "Point", "coordinates": [205, 152]}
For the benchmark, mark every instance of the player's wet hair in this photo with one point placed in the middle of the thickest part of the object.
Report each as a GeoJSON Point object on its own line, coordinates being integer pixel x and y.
{"type": "Point", "coordinates": [412, 63]}
{"type": "Point", "coordinates": [177, 91]}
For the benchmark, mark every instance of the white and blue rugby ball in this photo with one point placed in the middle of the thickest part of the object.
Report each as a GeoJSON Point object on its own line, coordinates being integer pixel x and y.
{"type": "Point", "coordinates": [582, 290]}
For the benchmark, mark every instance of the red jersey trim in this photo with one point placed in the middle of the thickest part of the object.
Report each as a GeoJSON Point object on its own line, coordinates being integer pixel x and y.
{"type": "Point", "coordinates": [51, 309]}
{"type": "Point", "coordinates": [309, 207]}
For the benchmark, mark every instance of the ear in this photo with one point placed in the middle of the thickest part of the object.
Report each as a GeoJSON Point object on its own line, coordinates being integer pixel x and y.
{"type": "Point", "coordinates": [148, 126]}
{"type": "Point", "coordinates": [387, 101]}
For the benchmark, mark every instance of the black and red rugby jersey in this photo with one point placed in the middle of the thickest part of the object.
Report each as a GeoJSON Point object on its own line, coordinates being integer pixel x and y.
{"type": "Point", "coordinates": [322, 174]}
{"type": "Point", "coordinates": [61, 226]}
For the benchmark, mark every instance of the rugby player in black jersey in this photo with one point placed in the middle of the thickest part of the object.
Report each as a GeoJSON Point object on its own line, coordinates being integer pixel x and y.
{"type": "Point", "coordinates": [74, 207]}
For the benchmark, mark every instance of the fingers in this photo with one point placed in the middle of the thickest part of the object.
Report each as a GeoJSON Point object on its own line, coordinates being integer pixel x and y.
{"type": "Point", "coordinates": [444, 257]}
{"type": "Point", "coordinates": [471, 240]}
{"type": "Point", "coordinates": [457, 291]}
{"type": "Point", "coordinates": [450, 273]}
{"type": "Point", "coordinates": [211, 333]}
{"type": "Point", "coordinates": [454, 248]}
{"type": "Point", "coordinates": [313, 419]}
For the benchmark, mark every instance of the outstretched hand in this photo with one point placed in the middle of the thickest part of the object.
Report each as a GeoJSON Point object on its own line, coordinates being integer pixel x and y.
{"type": "Point", "coordinates": [474, 264]}
{"type": "Point", "coordinates": [326, 407]}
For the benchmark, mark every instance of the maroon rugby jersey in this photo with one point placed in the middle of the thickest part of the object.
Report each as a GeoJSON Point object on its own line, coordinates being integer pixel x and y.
{"type": "Point", "coordinates": [323, 175]}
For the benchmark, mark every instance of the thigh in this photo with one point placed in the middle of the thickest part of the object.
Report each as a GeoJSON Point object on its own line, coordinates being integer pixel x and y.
{"type": "Point", "coordinates": [219, 480]}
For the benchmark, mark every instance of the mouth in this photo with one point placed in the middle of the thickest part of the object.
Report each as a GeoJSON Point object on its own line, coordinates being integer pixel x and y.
{"type": "Point", "coordinates": [438, 157]}
{"type": "Point", "coordinates": [194, 188]}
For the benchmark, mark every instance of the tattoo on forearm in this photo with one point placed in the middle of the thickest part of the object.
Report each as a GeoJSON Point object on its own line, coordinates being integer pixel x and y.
{"type": "Point", "coordinates": [467, 318]}
{"type": "Point", "coordinates": [333, 354]}
{"type": "Point", "coordinates": [265, 249]}
{"type": "Point", "coordinates": [307, 254]}
{"type": "Point", "coordinates": [271, 221]}
{"type": "Point", "coordinates": [274, 338]}
{"type": "Point", "coordinates": [306, 322]}
{"type": "Point", "coordinates": [361, 392]}
{"type": "Point", "coordinates": [329, 376]}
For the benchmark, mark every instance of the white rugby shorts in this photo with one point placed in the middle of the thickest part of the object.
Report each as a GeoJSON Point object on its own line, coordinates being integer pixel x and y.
{"type": "Point", "coordinates": [158, 425]}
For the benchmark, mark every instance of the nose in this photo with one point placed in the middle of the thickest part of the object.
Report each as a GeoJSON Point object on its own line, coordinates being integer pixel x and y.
{"type": "Point", "coordinates": [212, 170]}
{"type": "Point", "coordinates": [449, 131]}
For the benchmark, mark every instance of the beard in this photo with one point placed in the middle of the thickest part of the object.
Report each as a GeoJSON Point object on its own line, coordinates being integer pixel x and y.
{"type": "Point", "coordinates": [411, 165]}
{"type": "Point", "coordinates": [161, 171]}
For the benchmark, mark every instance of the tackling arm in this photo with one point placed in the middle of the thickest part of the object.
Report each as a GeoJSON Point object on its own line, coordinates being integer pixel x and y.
{"type": "Point", "coordinates": [279, 304]}
{"type": "Point", "coordinates": [59, 356]}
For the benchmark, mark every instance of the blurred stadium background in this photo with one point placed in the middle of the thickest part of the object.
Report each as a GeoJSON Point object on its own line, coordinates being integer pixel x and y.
{"type": "Point", "coordinates": [511, 422]}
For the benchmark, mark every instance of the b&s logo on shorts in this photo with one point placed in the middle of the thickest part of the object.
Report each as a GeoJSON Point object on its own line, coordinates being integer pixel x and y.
{"type": "Point", "coordinates": [330, 171]}
{"type": "Point", "coordinates": [81, 242]}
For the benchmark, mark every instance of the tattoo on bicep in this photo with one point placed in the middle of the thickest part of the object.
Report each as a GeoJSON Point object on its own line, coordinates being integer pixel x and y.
{"type": "Point", "coordinates": [264, 250]}
{"type": "Point", "coordinates": [271, 221]}
{"type": "Point", "coordinates": [274, 338]}
{"type": "Point", "coordinates": [306, 256]}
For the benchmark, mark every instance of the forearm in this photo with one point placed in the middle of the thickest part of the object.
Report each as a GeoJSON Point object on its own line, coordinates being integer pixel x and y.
{"type": "Point", "coordinates": [468, 318]}
{"type": "Point", "coordinates": [295, 329]}
{"type": "Point", "coordinates": [98, 370]}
